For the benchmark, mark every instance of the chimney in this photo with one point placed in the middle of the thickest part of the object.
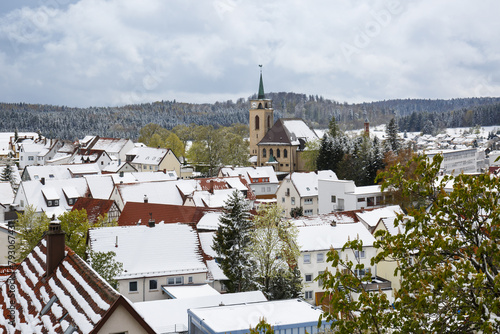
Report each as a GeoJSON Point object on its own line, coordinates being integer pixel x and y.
{"type": "Point", "coordinates": [42, 180]}
{"type": "Point", "coordinates": [211, 189]}
{"type": "Point", "coordinates": [151, 222]}
{"type": "Point", "coordinates": [146, 198]}
{"type": "Point", "coordinates": [55, 247]}
{"type": "Point", "coordinates": [121, 173]}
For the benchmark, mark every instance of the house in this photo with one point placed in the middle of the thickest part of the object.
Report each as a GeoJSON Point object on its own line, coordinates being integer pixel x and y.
{"type": "Point", "coordinates": [97, 208]}
{"type": "Point", "coordinates": [58, 172]}
{"type": "Point", "coordinates": [458, 161]}
{"type": "Point", "coordinates": [171, 315]}
{"type": "Point", "coordinates": [316, 237]}
{"type": "Point", "coordinates": [99, 158]}
{"type": "Point", "coordinates": [281, 144]}
{"type": "Point", "coordinates": [116, 167]}
{"type": "Point", "coordinates": [54, 291]}
{"type": "Point", "coordinates": [149, 159]}
{"type": "Point", "coordinates": [262, 180]}
{"type": "Point", "coordinates": [370, 218]}
{"type": "Point", "coordinates": [154, 257]}
{"type": "Point", "coordinates": [54, 197]}
{"type": "Point", "coordinates": [301, 190]}
{"type": "Point", "coordinates": [344, 195]}
{"type": "Point", "coordinates": [285, 316]}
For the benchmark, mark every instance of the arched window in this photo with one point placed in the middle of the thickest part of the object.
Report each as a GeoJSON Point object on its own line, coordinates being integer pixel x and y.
{"type": "Point", "coordinates": [285, 153]}
{"type": "Point", "coordinates": [268, 122]}
{"type": "Point", "coordinates": [257, 121]}
{"type": "Point", "coordinates": [271, 152]}
{"type": "Point", "coordinates": [263, 152]}
{"type": "Point", "coordinates": [278, 153]}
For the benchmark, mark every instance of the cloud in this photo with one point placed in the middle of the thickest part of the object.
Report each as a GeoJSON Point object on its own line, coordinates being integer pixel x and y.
{"type": "Point", "coordinates": [116, 52]}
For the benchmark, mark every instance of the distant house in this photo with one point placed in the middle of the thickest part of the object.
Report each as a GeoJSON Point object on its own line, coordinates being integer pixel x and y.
{"type": "Point", "coordinates": [58, 172]}
{"type": "Point", "coordinates": [154, 257]}
{"type": "Point", "coordinates": [99, 158]}
{"type": "Point", "coordinates": [301, 190]}
{"type": "Point", "coordinates": [116, 148]}
{"type": "Point", "coordinates": [148, 159]}
{"type": "Point", "coordinates": [36, 151]}
{"type": "Point", "coordinates": [262, 180]}
{"type": "Point", "coordinates": [458, 161]}
{"type": "Point", "coordinates": [54, 291]}
{"type": "Point", "coordinates": [315, 240]}
{"type": "Point", "coordinates": [97, 208]}
{"type": "Point", "coordinates": [54, 197]}
{"type": "Point", "coordinates": [344, 195]}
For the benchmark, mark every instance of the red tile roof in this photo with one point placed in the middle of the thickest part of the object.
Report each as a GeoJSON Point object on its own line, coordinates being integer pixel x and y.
{"type": "Point", "coordinates": [94, 207]}
{"type": "Point", "coordinates": [133, 212]}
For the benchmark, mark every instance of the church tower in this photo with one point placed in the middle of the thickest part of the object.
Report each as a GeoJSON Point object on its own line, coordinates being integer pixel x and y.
{"type": "Point", "coordinates": [261, 117]}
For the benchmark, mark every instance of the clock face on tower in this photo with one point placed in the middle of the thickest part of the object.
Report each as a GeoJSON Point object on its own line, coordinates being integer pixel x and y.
{"type": "Point", "coordinates": [254, 105]}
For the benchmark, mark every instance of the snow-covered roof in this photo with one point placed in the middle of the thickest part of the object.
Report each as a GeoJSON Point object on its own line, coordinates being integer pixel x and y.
{"type": "Point", "coordinates": [297, 128]}
{"type": "Point", "coordinates": [207, 240]}
{"type": "Point", "coordinates": [172, 249]}
{"type": "Point", "coordinates": [216, 271]}
{"type": "Point", "coordinates": [367, 190]}
{"type": "Point", "coordinates": [171, 315]}
{"type": "Point", "coordinates": [307, 183]}
{"type": "Point", "coordinates": [209, 221]}
{"type": "Point", "coordinates": [215, 200]}
{"type": "Point", "coordinates": [251, 173]}
{"type": "Point", "coordinates": [48, 172]}
{"type": "Point", "coordinates": [6, 193]}
{"type": "Point", "coordinates": [100, 186]}
{"type": "Point", "coordinates": [147, 155]}
{"type": "Point", "coordinates": [110, 145]}
{"type": "Point", "coordinates": [278, 313]}
{"type": "Point", "coordinates": [323, 237]}
{"type": "Point", "coordinates": [189, 291]}
{"type": "Point", "coordinates": [160, 192]}
{"type": "Point", "coordinates": [372, 217]}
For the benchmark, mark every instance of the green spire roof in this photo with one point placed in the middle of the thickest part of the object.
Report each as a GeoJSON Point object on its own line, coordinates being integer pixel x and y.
{"type": "Point", "coordinates": [261, 95]}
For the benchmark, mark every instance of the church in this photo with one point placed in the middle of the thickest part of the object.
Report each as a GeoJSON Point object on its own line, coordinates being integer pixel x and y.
{"type": "Point", "coordinates": [279, 144]}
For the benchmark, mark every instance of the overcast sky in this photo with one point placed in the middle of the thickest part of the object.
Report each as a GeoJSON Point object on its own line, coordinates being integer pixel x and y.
{"type": "Point", "coordinates": [116, 52]}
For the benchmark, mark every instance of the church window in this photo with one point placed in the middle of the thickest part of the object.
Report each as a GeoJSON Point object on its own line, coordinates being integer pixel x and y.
{"type": "Point", "coordinates": [285, 153]}
{"type": "Point", "coordinates": [264, 153]}
{"type": "Point", "coordinates": [271, 152]}
{"type": "Point", "coordinates": [268, 122]}
{"type": "Point", "coordinates": [257, 123]}
{"type": "Point", "coordinates": [278, 153]}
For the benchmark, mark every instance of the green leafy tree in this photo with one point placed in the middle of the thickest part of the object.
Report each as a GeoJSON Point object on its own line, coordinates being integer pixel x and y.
{"type": "Point", "coordinates": [30, 226]}
{"type": "Point", "coordinates": [104, 264]}
{"type": "Point", "coordinates": [446, 254]}
{"type": "Point", "coordinates": [263, 327]}
{"type": "Point", "coordinates": [232, 243]}
{"type": "Point", "coordinates": [310, 154]}
{"type": "Point", "coordinates": [275, 252]}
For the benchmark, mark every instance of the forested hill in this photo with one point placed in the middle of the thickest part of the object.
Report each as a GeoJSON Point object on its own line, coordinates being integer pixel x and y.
{"type": "Point", "coordinates": [125, 122]}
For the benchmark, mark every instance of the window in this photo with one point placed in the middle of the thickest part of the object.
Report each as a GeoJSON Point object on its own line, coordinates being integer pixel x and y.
{"type": "Point", "coordinates": [268, 189]}
{"type": "Point", "coordinates": [22, 158]}
{"type": "Point", "coordinates": [190, 279]}
{"type": "Point", "coordinates": [285, 154]}
{"type": "Point", "coordinates": [30, 158]}
{"type": "Point", "coordinates": [370, 201]}
{"type": "Point", "coordinates": [320, 281]}
{"type": "Point", "coordinates": [22, 204]}
{"type": "Point", "coordinates": [308, 212]}
{"type": "Point", "coordinates": [263, 152]}
{"type": "Point", "coordinates": [361, 199]}
{"type": "Point", "coordinates": [153, 284]}
{"type": "Point", "coordinates": [278, 153]}
{"type": "Point", "coordinates": [51, 176]}
{"type": "Point", "coordinates": [359, 255]}
{"type": "Point", "coordinates": [308, 278]}
{"type": "Point", "coordinates": [334, 199]}
{"type": "Point", "coordinates": [320, 257]}
{"type": "Point", "coordinates": [132, 286]}
{"type": "Point", "coordinates": [293, 200]}
{"type": "Point", "coordinates": [282, 199]}
{"type": "Point", "coordinates": [308, 201]}
{"type": "Point", "coordinates": [257, 125]}
{"type": "Point", "coordinates": [270, 152]}
{"type": "Point", "coordinates": [307, 258]}
{"type": "Point", "coordinates": [308, 294]}
{"type": "Point", "coordinates": [263, 189]}
{"type": "Point", "coordinates": [175, 280]}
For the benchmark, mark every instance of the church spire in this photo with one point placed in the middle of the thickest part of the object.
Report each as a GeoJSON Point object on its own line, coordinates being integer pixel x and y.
{"type": "Point", "coordinates": [261, 95]}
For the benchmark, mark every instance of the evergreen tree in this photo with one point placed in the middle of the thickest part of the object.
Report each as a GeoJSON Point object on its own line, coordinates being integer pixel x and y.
{"type": "Point", "coordinates": [391, 131]}
{"type": "Point", "coordinates": [232, 244]}
{"type": "Point", "coordinates": [7, 174]}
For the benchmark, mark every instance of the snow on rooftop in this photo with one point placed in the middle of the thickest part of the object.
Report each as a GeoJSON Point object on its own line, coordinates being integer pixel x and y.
{"type": "Point", "coordinates": [6, 193]}
{"type": "Point", "coordinates": [323, 237]}
{"type": "Point", "coordinates": [216, 271]}
{"type": "Point", "coordinates": [170, 315]}
{"type": "Point", "coordinates": [297, 128]}
{"type": "Point", "coordinates": [233, 318]}
{"type": "Point", "coordinates": [110, 145]}
{"type": "Point", "coordinates": [209, 221]}
{"type": "Point", "coordinates": [189, 291]}
{"type": "Point", "coordinates": [307, 183]}
{"type": "Point", "coordinates": [172, 249]}
{"type": "Point", "coordinates": [160, 192]}
{"type": "Point", "coordinates": [100, 186]}
{"type": "Point", "coordinates": [366, 190]}
{"type": "Point", "coordinates": [147, 155]}
{"type": "Point", "coordinates": [372, 217]}
{"type": "Point", "coordinates": [206, 240]}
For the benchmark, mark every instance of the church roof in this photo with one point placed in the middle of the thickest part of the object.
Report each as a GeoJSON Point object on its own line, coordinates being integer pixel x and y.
{"type": "Point", "coordinates": [289, 131]}
{"type": "Point", "coordinates": [261, 95]}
